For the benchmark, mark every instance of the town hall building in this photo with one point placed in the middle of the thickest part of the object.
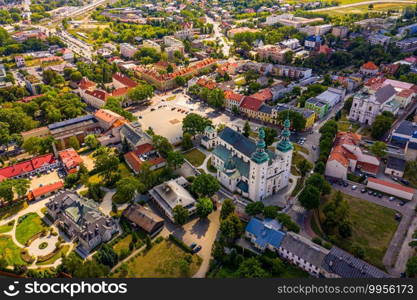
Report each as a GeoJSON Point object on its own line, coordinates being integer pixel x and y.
{"type": "Point", "coordinates": [248, 167]}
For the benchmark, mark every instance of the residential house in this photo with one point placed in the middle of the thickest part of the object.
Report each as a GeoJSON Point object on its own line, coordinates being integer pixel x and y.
{"type": "Point", "coordinates": [127, 50]}
{"type": "Point", "coordinates": [379, 39]}
{"type": "Point", "coordinates": [264, 234]}
{"type": "Point", "coordinates": [347, 156]}
{"type": "Point", "coordinates": [45, 191]}
{"type": "Point", "coordinates": [70, 159]}
{"type": "Point", "coordinates": [340, 31]}
{"type": "Point", "coordinates": [232, 99]}
{"type": "Point", "coordinates": [172, 193]}
{"type": "Point", "coordinates": [142, 217]}
{"type": "Point", "coordinates": [133, 135]}
{"type": "Point", "coordinates": [369, 69]}
{"type": "Point", "coordinates": [395, 166]}
{"type": "Point", "coordinates": [144, 153]}
{"type": "Point", "coordinates": [320, 107]}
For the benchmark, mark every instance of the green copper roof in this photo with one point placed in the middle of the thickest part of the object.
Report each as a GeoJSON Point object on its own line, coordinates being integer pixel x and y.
{"type": "Point", "coordinates": [285, 145]}
{"type": "Point", "coordinates": [260, 156]}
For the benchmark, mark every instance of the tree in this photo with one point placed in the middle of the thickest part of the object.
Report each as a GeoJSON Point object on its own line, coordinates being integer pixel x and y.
{"type": "Point", "coordinates": [288, 223]}
{"type": "Point", "coordinates": [254, 208]}
{"type": "Point", "coordinates": [6, 190]}
{"type": "Point", "coordinates": [304, 166]}
{"type": "Point", "coordinates": [411, 267]}
{"type": "Point", "coordinates": [180, 81]}
{"type": "Point", "coordinates": [73, 143]}
{"type": "Point", "coordinates": [205, 185]}
{"type": "Point", "coordinates": [204, 207]}
{"type": "Point", "coordinates": [320, 183]}
{"type": "Point", "coordinates": [227, 208]}
{"type": "Point", "coordinates": [175, 159]}
{"type": "Point", "coordinates": [140, 93]}
{"type": "Point", "coordinates": [162, 145]}
{"type": "Point", "coordinates": [21, 186]}
{"type": "Point", "coordinates": [298, 122]}
{"type": "Point", "coordinates": [127, 188]}
{"type": "Point", "coordinates": [36, 145]}
{"type": "Point", "coordinates": [195, 124]}
{"type": "Point", "coordinates": [320, 167]}
{"type": "Point", "coordinates": [310, 197]}
{"type": "Point", "coordinates": [187, 142]}
{"type": "Point", "coordinates": [215, 98]}
{"type": "Point", "coordinates": [107, 165]}
{"type": "Point", "coordinates": [251, 268]}
{"type": "Point", "coordinates": [270, 135]}
{"type": "Point", "coordinates": [91, 141]}
{"type": "Point", "coordinates": [381, 125]}
{"type": "Point", "coordinates": [246, 129]}
{"type": "Point", "coordinates": [379, 149]}
{"type": "Point", "coordinates": [180, 215]}
{"type": "Point", "coordinates": [270, 212]}
{"type": "Point", "coordinates": [231, 228]}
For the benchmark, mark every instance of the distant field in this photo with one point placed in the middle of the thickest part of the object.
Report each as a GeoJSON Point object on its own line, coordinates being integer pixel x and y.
{"type": "Point", "coordinates": [362, 9]}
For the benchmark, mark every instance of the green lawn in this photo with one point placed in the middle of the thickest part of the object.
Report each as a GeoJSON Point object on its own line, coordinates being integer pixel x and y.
{"type": "Point", "coordinates": [7, 227]}
{"type": "Point", "coordinates": [30, 225]}
{"type": "Point", "coordinates": [122, 244]}
{"type": "Point", "coordinates": [195, 157]}
{"type": "Point", "coordinates": [163, 260]}
{"type": "Point", "coordinates": [373, 227]}
{"type": "Point", "coordinates": [9, 251]}
{"type": "Point", "coordinates": [301, 149]}
{"type": "Point", "coordinates": [64, 250]}
{"type": "Point", "coordinates": [362, 9]}
{"type": "Point", "coordinates": [124, 172]}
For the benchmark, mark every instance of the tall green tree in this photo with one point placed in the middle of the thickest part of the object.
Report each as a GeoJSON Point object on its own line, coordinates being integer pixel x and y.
{"type": "Point", "coordinates": [204, 207]}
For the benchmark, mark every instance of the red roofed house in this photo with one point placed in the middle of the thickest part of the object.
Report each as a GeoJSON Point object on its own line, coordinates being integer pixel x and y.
{"type": "Point", "coordinates": [144, 154]}
{"type": "Point", "coordinates": [391, 188]}
{"type": "Point", "coordinates": [30, 167]}
{"type": "Point", "coordinates": [70, 159]}
{"type": "Point", "coordinates": [204, 82]}
{"type": "Point", "coordinates": [263, 95]}
{"type": "Point", "coordinates": [232, 99]}
{"type": "Point", "coordinates": [250, 106]}
{"type": "Point", "coordinates": [369, 69]}
{"type": "Point", "coordinates": [45, 191]}
{"type": "Point", "coordinates": [120, 80]}
{"type": "Point", "coordinates": [95, 98]}
{"type": "Point", "coordinates": [346, 155]}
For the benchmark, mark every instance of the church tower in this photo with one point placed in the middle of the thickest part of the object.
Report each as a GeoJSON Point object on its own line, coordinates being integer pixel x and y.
{"type": "Point", "coordinates": [284, 150]}
{"type": "Point", "coordinates": [258, 169]}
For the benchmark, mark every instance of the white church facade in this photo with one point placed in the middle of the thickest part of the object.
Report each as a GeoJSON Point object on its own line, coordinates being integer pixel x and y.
{"type": "Point", "coordinates": [248, 167]}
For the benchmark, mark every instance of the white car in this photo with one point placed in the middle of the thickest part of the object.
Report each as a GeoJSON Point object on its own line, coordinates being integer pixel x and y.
{"type": "Point", "coordinates": [354, 187]}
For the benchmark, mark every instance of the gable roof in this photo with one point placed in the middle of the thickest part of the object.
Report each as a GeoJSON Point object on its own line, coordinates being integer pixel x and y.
{"type": "Point", "coordinates": [347, 266]}
{"type": "Point", "coordinates": [266, 232]}
{"type": "Point", "coordinates": [238, 141]}
{"type": "Point", "coordinates": [392, 185]}
{"type": "Point", "coordinates": [396, 163]}
{"type": "Point", "coordinates": [263, 95]}
{"type": "Point", "coordinates": [384, 93]}
{"type": "Point", "coordinates": [43, 190]}
{"type": "Point", "coordinates": [251, 103]}
{"type": "Point", "coordinates": [143, 217]}
{"type": "Point", "coordinates": [125, 80]}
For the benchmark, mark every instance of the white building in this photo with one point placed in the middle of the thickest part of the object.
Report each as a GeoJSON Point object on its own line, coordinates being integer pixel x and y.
{"type": "Point", "coordinates": [171, 41]}
{"type": "Point", "coordinates": [152, 44]}
{"type": "Point", "coordinates": [172, 193]}
{"type": "Point", "coordinates": [365, 106]}
{"type": "Point", "coordinates": [247, 167]}
{"type": "Point", "coordinates": [391, 188]}
{"type": "Point", "coordinates": [127, 50]}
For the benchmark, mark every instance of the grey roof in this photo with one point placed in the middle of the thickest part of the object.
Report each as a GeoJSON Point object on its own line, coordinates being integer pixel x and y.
{"type": "Point", "coordinates": [316, 102]}
{"type": "Point", "coordinates": [265, 109]}
{"type": "Point", "coordinates": [384, 93]}
{"type": "Point", "coordinates": [238, 141]}
{"type": "Point", "coordinates": [132, 133]}
{"type": "Point", "coordinates": [304, 248]}
{"type": "Point", "coordinates": [396, 163]}
{"type": "Point", "coordinates": [406, 128]}
{"type": "Point", "coordinates": [72, 121]}
{"type": "Point", "coordinates": [347, 266]}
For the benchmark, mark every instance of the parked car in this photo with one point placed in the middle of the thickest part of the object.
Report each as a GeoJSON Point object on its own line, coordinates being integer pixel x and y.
{"type": "Point", "coordinates": [345, 184]}
{"type": "Point", "coordinates": [363, 191]}
{"type": "Point", "coordinates": [375, 194]}
{"type": "Point", "coordinates": [354, 187]}
{"type": "Point", "coordinates": [380, 195]}
{"type": "Point", "coordinates": [391, 198]}
{"type": "Point", "coordinates": [197, 249]}
{"type": "Point", "coordinates": [370, 192]}
{"type": "Point", "coordinates": [402, 203]}
{"type": "Point", "coordinates": [193, 245]}
{"type": "Point", "coordinates": [403, 181]}
{"type": "Point", "coordinates": [313, 147]}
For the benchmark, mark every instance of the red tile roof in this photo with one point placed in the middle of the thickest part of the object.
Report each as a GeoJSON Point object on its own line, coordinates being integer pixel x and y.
{"type": "Point", "coordinates": [102, 95]}
{"type": "Point", "coordinates": [123, 79]}
{"type": "Point", "coordinates": [263, 95]}
{"type": "Point", "coordinates": [230, 95]}
{"type": "Point", "coordinates": [392, 185]}
{"type": "Point", "coordinates": [85, 84]}
{"type": "Point", "coordinates": [133, 157]}
{"type": "Point", "coordinates": [207, 83]}
{"type": "Point", "coordinates": [251, 103]}
{"type": "Point", "coordinates": [369, 66]}
{"type": "Point", "coordinates": [120, 91]}
{"type": "Point", "coordinates": [70, 158]}
{"type": "Point", "coordinates": [30, 98]}
{"type": "Point", "coordinates": [26, 166]}
{"type": "Point", "coordinates": [107, 116]}
{"type": "Point", "coordinates": [43, 190]}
